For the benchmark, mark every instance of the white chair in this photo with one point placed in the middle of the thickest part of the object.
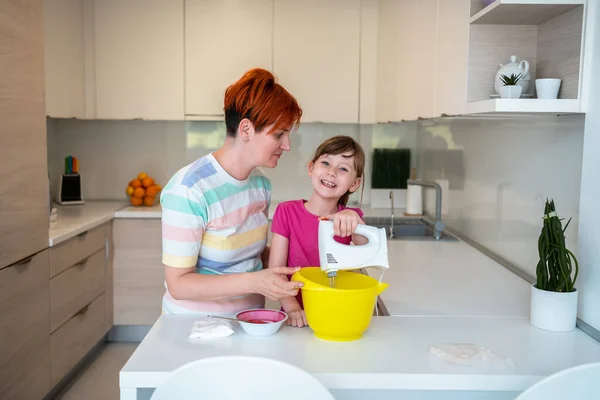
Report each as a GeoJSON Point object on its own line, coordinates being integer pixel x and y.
{"type": "Point", "coordinates": [240, 377]}
{"type": "Point", "coordinates": [577, 383]}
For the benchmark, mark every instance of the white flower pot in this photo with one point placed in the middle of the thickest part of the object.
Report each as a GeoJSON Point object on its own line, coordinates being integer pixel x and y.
{"type": "Point", "coordinates": [553, 311]}
{"type": "Point", "coordinates": [511, 92]}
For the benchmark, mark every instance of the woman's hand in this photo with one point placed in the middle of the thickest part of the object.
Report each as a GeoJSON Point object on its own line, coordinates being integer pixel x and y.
{"type": "Point", "coordinates": [344, 222]}
{"type": "Point", "coordinates": [273, 283]}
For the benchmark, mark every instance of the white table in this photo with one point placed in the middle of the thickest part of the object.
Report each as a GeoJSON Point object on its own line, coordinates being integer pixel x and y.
{"type": "Point", "coordinates": [393, 356]}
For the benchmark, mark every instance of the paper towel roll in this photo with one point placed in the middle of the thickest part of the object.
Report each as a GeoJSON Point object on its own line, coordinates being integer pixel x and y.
{"type": "Point", "coordinates": [414, 200]}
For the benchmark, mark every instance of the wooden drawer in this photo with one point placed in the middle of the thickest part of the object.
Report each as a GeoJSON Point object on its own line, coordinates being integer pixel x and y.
{"type": "Point", "coordinates": [67, 254]}
{"type": "Point", "coordinates": [76, 287]}
{"type": "Point", "coordinates": [73, 340]}
{"type": "Point", "coordinates": [24, 336]}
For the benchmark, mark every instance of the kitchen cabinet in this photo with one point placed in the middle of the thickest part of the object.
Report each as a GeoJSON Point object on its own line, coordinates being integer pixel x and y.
{"type": "Point", "coordinates": [25, 334]}
{"type": "Point", "coordinates": [223, 40]}
{"type": "Point", "coordinates": [65, 60]}
{"type": "Point", "coordinates": [452, 54]}
{"type": "Point", "coordinates": [406, 59]}
{"type": "Point", "coordinates": [24, 202]}
{"type": "Point", "coordinates": [138, 271]}
{"type": "Point", "coordinates": [139, 59]}
{"type": "Point", "coordinates": [317, 56]}
{"type": "Point", "coordinates": [80, 297]}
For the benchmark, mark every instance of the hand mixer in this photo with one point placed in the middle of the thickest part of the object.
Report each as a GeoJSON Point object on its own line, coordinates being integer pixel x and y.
{"type": "Point", "coordinates": [335, 256]}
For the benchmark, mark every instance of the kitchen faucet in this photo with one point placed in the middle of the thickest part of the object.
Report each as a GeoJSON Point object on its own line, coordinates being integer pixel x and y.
{"type": "Point", "coordinates": [392, 212]}
{"type": "Point", "coordinates": [439, 225]}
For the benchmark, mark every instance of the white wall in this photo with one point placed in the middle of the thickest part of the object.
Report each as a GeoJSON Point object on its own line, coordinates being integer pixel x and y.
{"type": "Point", "coordinates": [500, 173]}
{"type": "Point", "coordinates": [589, 227]}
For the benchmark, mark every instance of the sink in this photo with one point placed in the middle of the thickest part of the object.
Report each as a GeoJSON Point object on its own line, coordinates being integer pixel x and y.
{"type": "Point", "coordinates": [408, 228]}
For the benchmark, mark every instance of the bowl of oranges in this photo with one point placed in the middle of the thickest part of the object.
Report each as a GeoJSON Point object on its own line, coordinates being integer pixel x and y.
{"type": "Point", "coordinates": [143, 191]}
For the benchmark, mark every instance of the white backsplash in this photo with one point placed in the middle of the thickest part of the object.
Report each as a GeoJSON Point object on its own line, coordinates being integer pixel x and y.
{"type": "Point", "coordinates": [500, 173]}
{"type": "Point", "coordinates": [111, 153]}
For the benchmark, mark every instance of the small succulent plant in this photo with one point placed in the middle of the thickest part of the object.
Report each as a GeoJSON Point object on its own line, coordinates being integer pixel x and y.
{"type": "Point", "coordinates": [510, 80]}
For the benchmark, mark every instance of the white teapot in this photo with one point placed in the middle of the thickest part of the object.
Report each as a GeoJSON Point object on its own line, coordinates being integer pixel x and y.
{"type": "Point", "coordinates": [513, 67]}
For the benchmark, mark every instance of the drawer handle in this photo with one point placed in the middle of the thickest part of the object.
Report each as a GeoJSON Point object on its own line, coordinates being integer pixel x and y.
{"type": "Point", "coordinates": [24, 261]}
{"type": "Point", "coordinates": [82, 311]}
{"type": "Point", "coordinates": [81, 264]}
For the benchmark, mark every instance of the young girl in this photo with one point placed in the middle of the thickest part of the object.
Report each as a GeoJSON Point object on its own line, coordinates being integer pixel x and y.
{"type": "Point", "coordinates": [336, 171]}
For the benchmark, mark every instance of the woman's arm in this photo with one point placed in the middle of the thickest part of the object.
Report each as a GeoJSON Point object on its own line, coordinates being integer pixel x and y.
{"type": "Point", "coordinates": [186, 284]}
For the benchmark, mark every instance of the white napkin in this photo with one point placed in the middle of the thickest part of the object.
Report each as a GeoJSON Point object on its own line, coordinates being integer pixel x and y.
{"type": "Point", "coordinates": [209, 328]}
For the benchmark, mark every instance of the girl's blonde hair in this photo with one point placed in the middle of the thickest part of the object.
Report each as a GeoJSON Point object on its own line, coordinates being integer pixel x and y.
{"type": "Point", "coordinates": [340, 145]}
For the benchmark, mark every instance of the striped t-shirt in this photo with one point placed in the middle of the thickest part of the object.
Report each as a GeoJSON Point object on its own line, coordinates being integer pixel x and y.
{"type": "Point", "coordinates": [217, 224]}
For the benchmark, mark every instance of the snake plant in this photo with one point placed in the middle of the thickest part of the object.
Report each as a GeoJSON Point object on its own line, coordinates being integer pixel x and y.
{"type": "Point", "coordinates": [557, 268]}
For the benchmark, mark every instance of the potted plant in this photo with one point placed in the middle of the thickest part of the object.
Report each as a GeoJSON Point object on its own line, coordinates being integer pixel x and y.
{"type": "Point", "coordinates": [554, 296]}
{"type": "Point", "coordinates": [510, 90]}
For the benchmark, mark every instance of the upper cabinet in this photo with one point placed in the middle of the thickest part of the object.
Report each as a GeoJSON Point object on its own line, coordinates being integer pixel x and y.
{"type": "Point", "coordinates": [346, 61]}
{"type": "Point", "coordinates": [223, 40]}
{"type": "Point", "coordinates": [138, 48]}
{"type": "Point", "coordinates": [406, 59]}
{"type": "Point", "coordinates": [317, 56]}
{"type": "Point", "coordinates": [65, 72]}
{"type": "Point", "coordinates": [452, 54]}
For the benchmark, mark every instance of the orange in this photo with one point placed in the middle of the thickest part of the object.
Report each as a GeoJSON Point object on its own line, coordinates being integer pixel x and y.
{"type": "Point", "coordinates": [142, 176]}
{"type": "Point", "coordinates": [152, 191]}
{"type": "Point", "coordinates": [136, 201]}
{"type": "Point", "coordinates": [147, 182]}
{"type": "Point", "coordinates": [136, 183]}
{"type": "Point", "coordinates": [139, 192]}
{"type": "Point", "coordinates": [158, 187]}
{"type": "Point", "coordinates": [149, 201]}
{"type": "Point", "coordinates": [129, 190]}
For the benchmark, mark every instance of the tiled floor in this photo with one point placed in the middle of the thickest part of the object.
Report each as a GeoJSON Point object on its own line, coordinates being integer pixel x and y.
{"type": "Point", "coordinates": [100, 379]}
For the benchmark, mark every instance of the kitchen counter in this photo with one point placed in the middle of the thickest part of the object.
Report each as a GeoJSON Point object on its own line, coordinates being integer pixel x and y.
{"type": "Point", "coordinates": [429, 278]}
{"type": "Point", "coordinates": [140, 212]}
{"type": "Point", "coordinates": [392, 357]}
{"type": "Point", "coordinates": [74, 219]}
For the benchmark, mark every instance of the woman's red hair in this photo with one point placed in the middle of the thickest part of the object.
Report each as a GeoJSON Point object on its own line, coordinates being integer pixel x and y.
{"type": "Point", "coordinates": [258, 97]}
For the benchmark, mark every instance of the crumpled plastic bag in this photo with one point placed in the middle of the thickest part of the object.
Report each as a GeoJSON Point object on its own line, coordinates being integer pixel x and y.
{"type": "Point", "coordinates": [471, 355]}
{"type": "Point", "coordinates": [210, 328]}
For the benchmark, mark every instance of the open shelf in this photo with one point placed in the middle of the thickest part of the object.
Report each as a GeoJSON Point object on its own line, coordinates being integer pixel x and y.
{"type": "Point", "coordinates": [524, 106]}
{"type": "Point", "coordinates": [523, 12]}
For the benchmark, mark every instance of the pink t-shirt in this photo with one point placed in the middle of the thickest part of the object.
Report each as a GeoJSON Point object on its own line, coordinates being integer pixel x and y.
{"type": "Point", "coordinates": [293, 221]}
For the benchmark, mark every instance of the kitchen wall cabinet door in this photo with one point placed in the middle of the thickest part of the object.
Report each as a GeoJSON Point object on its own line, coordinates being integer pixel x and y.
{"type": "Point", "coordinates": [406, 59]}
{"type": "Point", "coordinates": [452, 55]}
{"type": "Point", "coordinates": [65, 76]}
{"type": "Point", "coordinates": [24, 204]}
{"type": "Point", "coordinates": [317, 56]}
{"type": "Point", "coordinates": [223, 40]}
{"type": "Point", "coordinates": [139, 59]}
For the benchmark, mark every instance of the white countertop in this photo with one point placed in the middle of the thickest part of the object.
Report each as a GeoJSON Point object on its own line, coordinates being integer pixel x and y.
{"type": "Point", "coordinates": [393, 354]}
{"type": "Point", "coordinates": [429, 278]}
{"type": "Point", "coordinates": [74, 219]}
{"type": "Point", "coordinates": [140, 212]}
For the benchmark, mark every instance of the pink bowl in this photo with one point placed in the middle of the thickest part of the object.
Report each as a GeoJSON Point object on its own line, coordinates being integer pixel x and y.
{"type": "Point", "coordinates": [273, 318]}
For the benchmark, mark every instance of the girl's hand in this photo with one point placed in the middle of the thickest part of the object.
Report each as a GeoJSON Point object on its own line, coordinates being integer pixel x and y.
{"type": "Point", "coordinates": [344, 222]}
{"type": "Point", "coordinates": [296, 318]}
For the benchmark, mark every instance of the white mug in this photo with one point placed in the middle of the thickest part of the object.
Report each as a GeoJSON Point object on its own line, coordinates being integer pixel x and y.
{"type": "Point", "coordinates": [547, 88]}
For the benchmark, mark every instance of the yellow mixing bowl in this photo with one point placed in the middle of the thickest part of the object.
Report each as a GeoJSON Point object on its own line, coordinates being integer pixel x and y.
{"type": "Point", "coordinates": [341, 314]}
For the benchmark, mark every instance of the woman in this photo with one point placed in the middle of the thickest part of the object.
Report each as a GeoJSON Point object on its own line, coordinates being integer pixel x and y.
{"type": "Point", "coordinates": [215, 210]}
